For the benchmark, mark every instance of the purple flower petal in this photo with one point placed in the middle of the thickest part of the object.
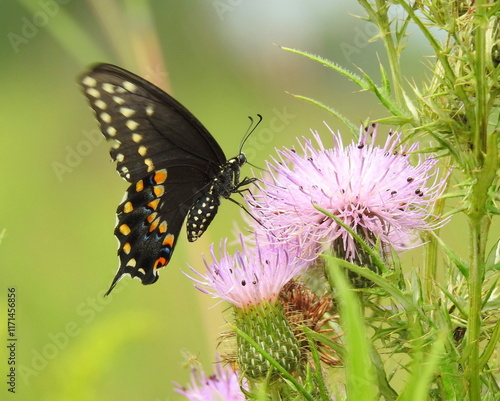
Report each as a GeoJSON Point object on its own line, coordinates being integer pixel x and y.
{"type": "Point", "coordinates": [223, 385]}
{"type": "Point", "coordinates": [250, 276]}
{"type": "Point", "coordinates": [374, 190]}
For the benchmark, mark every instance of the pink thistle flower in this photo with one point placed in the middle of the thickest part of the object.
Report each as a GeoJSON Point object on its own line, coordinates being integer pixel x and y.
{"type": "Point", "coordinates": [252, 276]}
{"type": "Point", "coordinates": [374, 190]}
{"type": "Point", "coordinates": [221, 386]}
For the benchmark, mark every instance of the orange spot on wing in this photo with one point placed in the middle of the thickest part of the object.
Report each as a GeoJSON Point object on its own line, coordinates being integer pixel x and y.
{"type": "Point", "coordinates": [153, 204]}
{"type": "Point", "coordinates": [151, 217]}
{"type": "Point", "coordinates": [139, 186]}
{"type": "Point", "coordinates": [169, 240]}
{"type": "Point", "coordinates": [161, 176]}
{"type": "Point", "coordinates": [163, 227]}
{"type": "Point", "coordinates": [154, 224]}
{"type": "Point", "coordinates": [160, 262]}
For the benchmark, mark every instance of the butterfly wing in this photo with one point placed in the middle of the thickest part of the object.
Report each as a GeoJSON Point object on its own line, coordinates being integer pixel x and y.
{"type": "Point", "coordinates": [148, 128]}
{"type": "Point", "coordinates": [163, 151]}
{"type": "Point", "coordinates": [149, 220]}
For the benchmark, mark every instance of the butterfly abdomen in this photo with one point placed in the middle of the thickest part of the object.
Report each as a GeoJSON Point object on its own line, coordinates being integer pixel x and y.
{"type": "Point", "coordinates": [201, 215]}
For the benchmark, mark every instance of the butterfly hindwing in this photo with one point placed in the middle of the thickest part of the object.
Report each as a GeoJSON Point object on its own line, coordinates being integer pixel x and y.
{"type": "Point", "coordinates": [149, 220]}
{"type": "Point", "coordinates": [146, 239]}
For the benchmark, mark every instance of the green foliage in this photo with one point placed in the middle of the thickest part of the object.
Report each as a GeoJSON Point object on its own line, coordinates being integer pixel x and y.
{"type": "Point", "coordinates": [360, 372]}
{"type": "Point", "coordinates": [447, 326]}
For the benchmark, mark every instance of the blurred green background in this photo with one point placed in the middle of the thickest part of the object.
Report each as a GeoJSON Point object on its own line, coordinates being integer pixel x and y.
{"type": "Point", "coordinates": [60, 191]}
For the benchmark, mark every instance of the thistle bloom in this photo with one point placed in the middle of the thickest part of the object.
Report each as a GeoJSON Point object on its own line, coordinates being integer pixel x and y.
{"type": "Point", "coordinates": [251, 280]}
{"type": "Point", "coordinates": [221, 386]}
{"type": "Point", "coordinates": [375, 191]}
{"type": "Point", "coordinates": [251, 276]}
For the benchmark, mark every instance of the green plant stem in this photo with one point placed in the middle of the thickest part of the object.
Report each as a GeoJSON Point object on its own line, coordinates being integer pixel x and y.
{"type": "Point", "coordinates": [474, 322]}
{"type": "Point", "coordinates": [481, 120]}
{"type": "Point", "coordinates": [380, 17]}
{"type": "Point", "coordinates": [431, 252]}
{"type": "Point", "coordinates": [429, 271]}
{"type": "Point", "coordinates": [478, 219]}
{"type": "Point", "coordinates": [441, 55]}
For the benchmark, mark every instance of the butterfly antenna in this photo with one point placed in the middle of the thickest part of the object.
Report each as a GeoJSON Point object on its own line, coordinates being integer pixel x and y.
{"type": "Point", "coordinates": [250, 130]}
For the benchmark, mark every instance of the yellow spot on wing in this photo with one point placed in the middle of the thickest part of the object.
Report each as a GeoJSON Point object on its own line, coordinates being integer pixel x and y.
{"type": "Point", "coordinates": [128, 207]}
{"type": "Point", "coordinates": [149, 163]}
{"type": "Point", "coordinates": [111, 131]}
{"type": "Point", "coordinates": [101, 104]}
{"type": "Point", "coordinates": [127, 112]}
{"type": "Point", "coordinates": [118, 100]}
{"type": "Point", "coordinates": [124, 229]}
{"type": "Point", "coordinates": [93, 92]}
{"type": "Point", "coordinates": [159, 190]}
{"type": "Point", "coordinates": [110, 88]}
{"type": "Point", "coordinates": [89, 81]}
{"type": "Point", "coordinates": [131, 124]}
{"type": "Point", "coordinates": [105, 117]}
{"type": "Point", "coordinates": [129, 86]}
{"type": "Point", "coordinates": [139, 186]}
{"type": "Point", "coordinates": [126, 248]}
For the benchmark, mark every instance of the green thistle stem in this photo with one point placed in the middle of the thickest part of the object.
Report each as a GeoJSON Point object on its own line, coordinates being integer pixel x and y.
{"type": "Point", "coordinates": [479, 222]}
{"type": "Point", "coordinates": [379, 17]}
{"type": "Point", "coordinates": [481, 121]}
{"type": "Point", "coordinates": [429, 271]}
{"type": "Point", "coordinates": [474, 324]}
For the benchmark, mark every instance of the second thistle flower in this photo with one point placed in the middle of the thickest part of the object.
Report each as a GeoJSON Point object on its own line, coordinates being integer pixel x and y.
{"type": "Point", "coordinates": [251, 280]}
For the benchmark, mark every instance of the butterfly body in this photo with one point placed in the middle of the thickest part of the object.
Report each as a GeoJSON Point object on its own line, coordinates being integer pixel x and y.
{"type": "Point", "coordinates": [176, 169]}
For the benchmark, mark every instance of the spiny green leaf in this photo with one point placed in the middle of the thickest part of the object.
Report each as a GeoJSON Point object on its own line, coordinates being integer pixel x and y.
{"type": "Point", "coordinates": [332, 111]}
{"type": "Point", "coordinates": [330, 64]}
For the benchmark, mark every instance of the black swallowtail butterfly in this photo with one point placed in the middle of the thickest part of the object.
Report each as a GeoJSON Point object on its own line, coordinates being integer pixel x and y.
{"type": "Point", "coordinates": [175, 167]}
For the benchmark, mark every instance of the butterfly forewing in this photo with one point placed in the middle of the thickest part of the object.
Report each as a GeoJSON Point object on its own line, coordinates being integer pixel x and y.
{"type": "Point", "coordinates": [171, 161]}
{"type": "Point", "coordinates": [148, 128]}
